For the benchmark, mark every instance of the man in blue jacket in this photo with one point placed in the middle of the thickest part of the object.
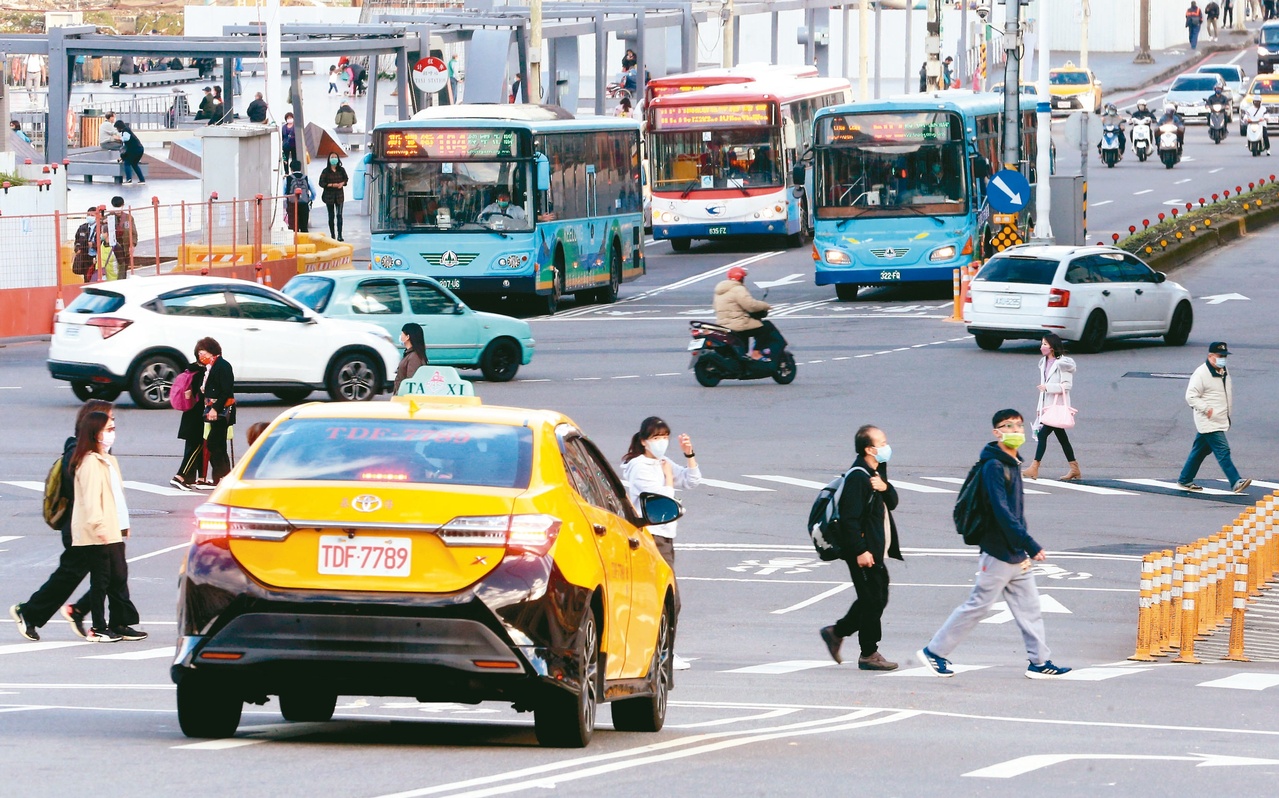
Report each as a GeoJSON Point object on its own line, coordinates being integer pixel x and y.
{"type": "Point", "coordinates": [1004, 565]}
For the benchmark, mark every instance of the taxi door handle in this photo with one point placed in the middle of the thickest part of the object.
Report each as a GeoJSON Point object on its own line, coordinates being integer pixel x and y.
{"type": "Point", "coordinates": [600, 529]}
{"type": "Point", "coordinates": [635, 543]}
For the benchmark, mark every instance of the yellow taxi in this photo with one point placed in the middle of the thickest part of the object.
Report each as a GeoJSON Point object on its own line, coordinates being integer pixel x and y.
{"type": "Point", "coordinates": [1073, 89]}
{"type": "Point", "coordinates": [428, 547]}
{"type": "Point", "coordinates": [1267, 88]}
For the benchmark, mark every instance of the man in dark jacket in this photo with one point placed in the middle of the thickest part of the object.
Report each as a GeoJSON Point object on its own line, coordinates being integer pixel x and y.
{"type": "Point", "coordinates": [867, 536]}
{"type": "Point", "coordinates": [1004, 565]}
{"type": "Point", "coordinates": [205, 111]}
{"type": "Point", "coordinates": [257, 109]}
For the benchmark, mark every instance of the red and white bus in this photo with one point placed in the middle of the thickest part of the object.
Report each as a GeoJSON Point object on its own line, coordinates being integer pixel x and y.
{"type": "Point", "coordinates": [706, 78]}
{"type": "Point", "coordinates": [721, 158]}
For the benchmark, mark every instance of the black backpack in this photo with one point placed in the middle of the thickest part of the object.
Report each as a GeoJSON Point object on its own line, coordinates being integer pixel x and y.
{"type": "Point", "coordinates": [297, 181]}
{"type": "Point", "coordinates": [972, 508]}
{"type": "Point", "coordinates": [823, 518]}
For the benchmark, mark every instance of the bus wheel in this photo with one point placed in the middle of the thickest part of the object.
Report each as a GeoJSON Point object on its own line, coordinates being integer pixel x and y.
{"type": "Point", "coordinates": [681, 244]}
{"type": "Point", "coordinates": [608, 294]}
{"type": "Point", "coordinates": [847, 292]}
{"type": "Point", "coordinates": [797, 240]}
{"type": "Point", "coordinates": [551, 302]}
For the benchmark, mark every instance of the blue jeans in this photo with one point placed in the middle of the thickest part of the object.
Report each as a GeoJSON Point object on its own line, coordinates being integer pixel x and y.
{"type": "Point", "coordinates": [1205, 442]}
{"type": "Point", "coordinates": [1194, 36]}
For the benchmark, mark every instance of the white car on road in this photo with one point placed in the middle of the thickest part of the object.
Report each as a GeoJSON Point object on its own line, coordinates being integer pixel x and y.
{"type": "Point", "coordinates": [1087, 295]}
{"type": "Point", "coordinates": [138, 334]}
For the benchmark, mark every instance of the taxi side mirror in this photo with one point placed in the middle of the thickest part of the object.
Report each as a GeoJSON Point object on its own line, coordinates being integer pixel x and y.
{"type": "Point", "coordinates": [657, 509]}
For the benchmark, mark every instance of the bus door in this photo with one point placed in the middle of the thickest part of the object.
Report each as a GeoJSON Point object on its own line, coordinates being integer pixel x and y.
{"type": "Point", "coordinates": [592, 249]}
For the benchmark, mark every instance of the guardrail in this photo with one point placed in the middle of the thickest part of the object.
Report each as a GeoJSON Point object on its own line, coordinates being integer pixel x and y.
{"type": "Point", "coordinates": [1194, 591]}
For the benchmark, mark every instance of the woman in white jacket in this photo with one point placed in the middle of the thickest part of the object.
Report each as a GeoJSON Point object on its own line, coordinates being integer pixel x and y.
{"type": "Point", "coordinates": [647, 469]}
{"type": "Point", "coordinates": [1056, 378]}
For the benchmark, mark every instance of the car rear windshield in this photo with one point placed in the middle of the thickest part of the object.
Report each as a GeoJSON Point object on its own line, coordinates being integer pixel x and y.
{"type": "Point", "coordinates": [1031, 271]}
{"type": "Point", "coordinates": [1205, 83]}
{"type": "Point", "coordinates": [95, 300]}
{"type": "Point", "coordinates": [314, 292]}
{"type": "Point", "coordinates": [383, 450]}
{"type": "Point", "coordinates": [1265, 86]}
{"type": "Point", "coordinates": [1068, 78]}
{"type": "Point", "coordinates": [1226, 72]}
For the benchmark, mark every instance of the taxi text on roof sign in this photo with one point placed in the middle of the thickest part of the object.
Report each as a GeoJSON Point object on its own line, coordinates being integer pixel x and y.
{"type": "Point", "coordinates": [436, 381]}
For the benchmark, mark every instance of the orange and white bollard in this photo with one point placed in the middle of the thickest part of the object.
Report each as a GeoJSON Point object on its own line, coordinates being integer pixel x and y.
{"type": "Point", "coordinates": [1145, 610]}
{"type": "Point", "coordinates": [1159, 645]}
{"type": "Point", "coordinates": [1235, 654]}
{"type": "Point", "coordinates": [1189, 624]}
{"type": "Point", "coordinates": [1178, 591]}
{"type": "Point", "coordinates": [1207, 585]}
{"type": "Point", "coordinates": [958, 313]}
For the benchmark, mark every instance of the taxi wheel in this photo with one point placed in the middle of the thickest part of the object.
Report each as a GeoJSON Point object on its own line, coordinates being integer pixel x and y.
{"type": "Point", "coordinates": [84, 391]}
{"type": "Point", "coordinates": [647, 714]}
{"type": "Point", "coordinates": [206, 709]}
{"type": "Point", "coordinates": [354, 378]}
{"type": "Point", "coordinates": [500, 361]}
{"type": "Point", "coordinates": [565, 719]}
{"type": "Point", "coordinates": [305, 705]}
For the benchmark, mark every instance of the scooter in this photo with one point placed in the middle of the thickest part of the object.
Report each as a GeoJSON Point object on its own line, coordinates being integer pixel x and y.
{"type": "Point", "coordinates": [718, 353]}
{"type": "Point", "coordinates": [1217, 123]}
{"type": "Point", "coordinates": [1256, 138]}
{"type": "Point", "coordinates": [1110, 134]}
{"type": "Point", "coordinates": [1141, 138]}
{"type": "Point", "coordinates": [1169, 145]}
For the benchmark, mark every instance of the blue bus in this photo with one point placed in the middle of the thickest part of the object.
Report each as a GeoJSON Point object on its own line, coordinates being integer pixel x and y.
{"type": "Point", "coordinates": [898, 186]}
{"type": "Point", "coordinates": [517, 201]}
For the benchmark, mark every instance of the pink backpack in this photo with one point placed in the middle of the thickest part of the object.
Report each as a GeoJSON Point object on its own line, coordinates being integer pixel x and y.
{"type": "Point", "coordinates": [178, 391]}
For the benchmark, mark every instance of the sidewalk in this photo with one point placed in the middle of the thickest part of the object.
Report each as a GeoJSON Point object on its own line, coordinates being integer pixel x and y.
{"type": "Point", "coordinates": [1118, 74]}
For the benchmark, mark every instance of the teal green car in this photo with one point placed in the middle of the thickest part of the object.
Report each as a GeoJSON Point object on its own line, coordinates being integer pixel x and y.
{"type": "Point", "coordinates": [455, 335]}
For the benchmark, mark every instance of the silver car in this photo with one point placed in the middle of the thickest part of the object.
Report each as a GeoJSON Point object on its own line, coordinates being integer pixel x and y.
{"type": "Point", "coordinates": [1189, 92]}
{"type": "Point", "coordinates": [1233, 75]}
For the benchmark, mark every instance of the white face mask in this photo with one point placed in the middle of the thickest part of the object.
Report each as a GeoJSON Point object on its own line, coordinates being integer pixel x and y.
{"type": "Point", "coordinates": [1221, 361]}
{"type": "Point", "coordinates": [107, 440]}
{"type": "Point", "coordinates": [657, 446]}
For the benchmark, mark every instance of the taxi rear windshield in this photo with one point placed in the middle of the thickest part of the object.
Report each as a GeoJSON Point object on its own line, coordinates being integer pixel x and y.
{"type": "Point", "coordinates": [1069, 78]}
{"type": "Point", "coordinates": [1031, 271]}
{"type": "Point", "coordinates": [411, 452]}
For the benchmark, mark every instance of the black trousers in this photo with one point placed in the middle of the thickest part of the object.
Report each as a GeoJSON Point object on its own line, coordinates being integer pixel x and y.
{"type": "Point", "coordinates": [298, 215]}
{"type": "Point", "coordinates": [666, 546]}
{"type": "Point", "coordinates": [335, 213]}
{"type": "Point", "coordinates": [1066, 448]}
{"type": "Point", "coordinates": [109, 587]}
{"type": "Point", "coordinates": [219, 460]}
{"type": "Point", "coordinates": [192, 460]}
{"type": "Point", "coordinates": [863, 617]}
{"type": "Point", "coordinates": [767, 337]}
{"type": "Point", "coordinates": [73, 566]}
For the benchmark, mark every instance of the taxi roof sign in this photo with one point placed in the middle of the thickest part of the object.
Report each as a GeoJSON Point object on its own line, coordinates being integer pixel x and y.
{"type": "Point", "coordinates": [431, 380]}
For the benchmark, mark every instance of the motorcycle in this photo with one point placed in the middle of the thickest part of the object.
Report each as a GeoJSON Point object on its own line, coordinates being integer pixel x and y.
{"type": "Point", "coordinates": [1169, 145]}
{"type": "Point", "coordinates": [718, 353]}
{"type": "Point", "coordinates": [1110, 134]}
{"type": "Point", "coordinates": [1217, 122]}
{"type": "Point", "coordinates": [1141, 138]}
{"type": "Point", "coordinates": [1256, 138]}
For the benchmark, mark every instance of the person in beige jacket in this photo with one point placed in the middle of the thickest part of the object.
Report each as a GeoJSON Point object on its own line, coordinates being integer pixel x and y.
{"type": "Point", "coordinates": [1211, 397]}
{"type": "Point", "coordinates": [100, 519]}
{"type": "Point", "coordinates": [740, 312]}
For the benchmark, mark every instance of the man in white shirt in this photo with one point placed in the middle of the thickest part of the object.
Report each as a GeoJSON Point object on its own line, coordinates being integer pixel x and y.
{"type": "Point", "coordinates": [108, 137]}
{"type": "Point", "coordinates": [502, 207]}
{"type": "Point", "coordinates": [35, 66]}
{"type": "Point", "coordinates": [1257, 114]}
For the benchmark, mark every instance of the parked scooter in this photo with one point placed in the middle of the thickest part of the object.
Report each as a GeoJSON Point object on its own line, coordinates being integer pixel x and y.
{"type": "Point", "coordinates": [1169, 144]}
{"type": "Point", "coordinates": [718, 354]}
{"type": "Point", "coordinates": [1141, 143]}
{"type": "Point", "coordinates": [1110, 133]}
{"type": "Point", "coordinates": [1217, 122]}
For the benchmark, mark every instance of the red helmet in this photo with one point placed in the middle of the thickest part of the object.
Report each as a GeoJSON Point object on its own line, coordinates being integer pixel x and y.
{"type": "Point", "coordinates": [737, 273]}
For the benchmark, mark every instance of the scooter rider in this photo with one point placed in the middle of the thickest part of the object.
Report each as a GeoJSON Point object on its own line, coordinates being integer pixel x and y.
{"type": "Point", "coordinates": [1171, 115]}
{"type": "Point", "coordinates": [1257, 113]}
{"type": "Point", "coordinates": [1110, 116]}
{"type": "Point", "coordinates": [740, 312]}
{"type": "Point", "coordinates": [1218, 97]}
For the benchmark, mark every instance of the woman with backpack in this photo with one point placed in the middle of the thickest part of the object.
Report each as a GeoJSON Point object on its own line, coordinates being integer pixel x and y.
{"type": "Point", "coordinates": [186, 397]}
{"type": "Point", "coordinates": [333, 182]}
{"type": "Point", "coordinates": [84, 261]}
{"type": "Point", "coordinates": [298, 195]}
{"type": "Point", "coordinates": [1054, 414]}
{"type": "Point", "coordinates": [133, 152]}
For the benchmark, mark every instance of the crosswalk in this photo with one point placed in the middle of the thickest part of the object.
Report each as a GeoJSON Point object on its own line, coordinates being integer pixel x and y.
{"type": "Point", "coordinates": [141, 487]}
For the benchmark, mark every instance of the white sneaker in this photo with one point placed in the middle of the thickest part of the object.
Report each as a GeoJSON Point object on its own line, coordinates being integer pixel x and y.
{"type": "Point", "coordinates": [681, 664]}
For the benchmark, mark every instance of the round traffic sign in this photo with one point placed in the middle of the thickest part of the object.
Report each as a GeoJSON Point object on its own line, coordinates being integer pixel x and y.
{"type": "Point", "coordinates": [430, 74]}
{"type": "Point", "coordinates": [1008, 191]}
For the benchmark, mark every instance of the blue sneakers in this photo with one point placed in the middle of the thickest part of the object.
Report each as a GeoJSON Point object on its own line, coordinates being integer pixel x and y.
{"type": "Point", "coordinates": [1046, 671]}
{"type": "Point", "coordinates": [938, 665]}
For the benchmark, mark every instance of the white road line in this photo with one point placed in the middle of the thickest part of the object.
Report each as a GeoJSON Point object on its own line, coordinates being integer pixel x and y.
{"type": "Point", "coordinates": [840, 358]}
{"type": "Point", "coordinates": [1259, 483]}
{"type": "Point", "coordinates": [669, 374]}
{"type": "Point", "coordinates": [156, 489]}
{"type": "Point", "coordinates": [966, 551]}
{"type": "Point", "coordinates": [1084, 488]}
{"type": "Point", "coordinates": [915, 487]}
{"type": "Point", "coordinates": [1213, 171]}
{"type": "Point", "coordinates": [789, 666]}
{"type": "Point", "coordinates": [7, 538]}
{"type": "Point", "coordinates": [1099, 204]}
{"type": "Point", "coordinates": [151, 554]}
{"type": "Point", "coordinates": [1098, 674]}
{"type": "Point", "coordinates": [23, 708]}
{"type": "Point", "coordinates": [1244, 681]}
{"type": "Point", "coordinates": [801, 483]}
{"type": "Point", "coordinates": [148, 653]}
{"type": "Point", "coordinates": [718, 270]}
{"type": "Point", "coordinates": [776, 713]}
{"type": "Point", "coordinates": [1179, 182]}
{"type": "Point", "coordinates": [1238, 55]}
{"type": "Point", "coordinates": [586, 379]}
{"type": "Point", "coordinates": [265, 734]}
{"type": "Point", "coordinates": [22, 686]}
{"type": "Point", "coordinates": [1143, 191]}
{"type": "Point", "coordinates": [737, 486]}
{"type": "Point", "coordinates": [34, 648]}
{"type": "Point", "coordinates": [922, 671]}
{"type": "Point", "coordinates": [1156, 483]}
{"type": "Point", "coordinates": [960, 481]}
{"type": "Point", "coordinates": [626, 377]}
{"type": "Point", "coordinates": [27, 485]}
{"type": "Point", "coordinates": [834, 591]}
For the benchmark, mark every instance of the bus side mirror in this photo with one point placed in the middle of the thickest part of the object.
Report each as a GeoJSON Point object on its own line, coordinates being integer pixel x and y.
{"type": "Point", "coordinates": [981, 169]}
{"type": "Point", "coordinates": [788, 134]}
{"type": "Point", "coordinates": [543, 173]}
{"type": "Point", "coordinates": [797, 174]}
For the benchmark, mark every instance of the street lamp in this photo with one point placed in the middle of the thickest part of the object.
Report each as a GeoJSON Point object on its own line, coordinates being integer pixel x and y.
{"type": "Point", "coordinates": [1143, 48]}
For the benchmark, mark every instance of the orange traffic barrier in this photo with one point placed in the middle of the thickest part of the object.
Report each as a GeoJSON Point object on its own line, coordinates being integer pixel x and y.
{"type": "Point", "coordinates": [1189, 623]}
{"type": "Point", "coordinates": [1146, 611]}
{"type": "Point", "coordinates": [1235, 654]}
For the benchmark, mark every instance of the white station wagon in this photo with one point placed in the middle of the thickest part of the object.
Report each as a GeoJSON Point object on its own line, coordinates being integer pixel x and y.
{"type": "Point", "coordinates": [1087, 295]}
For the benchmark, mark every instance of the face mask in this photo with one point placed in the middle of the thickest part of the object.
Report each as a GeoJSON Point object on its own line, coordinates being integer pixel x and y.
{"type": "Point", "coordinates": [1014, 440]}
{"type": "Point", "coordinates": [883, 453]}
{"type": "Point", "coordinates": [657, 446]}
{"type": "Point", "coordinates": [107, 440]}
{"type": "Point", "coordinates": [503, 204]}
{"type": "Point", "coordinates": [333, 162]}
{"type": "Point", "coordinates": [1221, 361]}
{"type": "Point", "coordinates": [1046, 350]}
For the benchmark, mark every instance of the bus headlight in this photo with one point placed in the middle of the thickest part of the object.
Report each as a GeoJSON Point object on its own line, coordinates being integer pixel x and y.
{"type": "Point", "coordinates": [837, 257]}
{"type": "Point", "coordinates": [512, 261]}
{"type": "Point", "coordinates": [942, 253]}
{"type": "Point", "coordinates": [667, 216]}
{"type": "Point", "coordinates": [766, 213]}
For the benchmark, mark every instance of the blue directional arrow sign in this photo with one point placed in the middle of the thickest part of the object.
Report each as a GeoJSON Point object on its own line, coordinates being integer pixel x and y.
{"type": "Point", "coordinates": [1008, 191]}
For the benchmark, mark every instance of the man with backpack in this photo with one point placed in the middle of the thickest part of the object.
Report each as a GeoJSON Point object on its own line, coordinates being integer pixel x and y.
{"type": "Point", "coordinates": [122, 235]}
{"type": "Point", "coordinates": [84, 261]}
{"type": "Point", "coordinates": [866, 536]}
{"type": "Point", "coordinates": [298, 195]}
{"type": "Point", "coordinates": [1004, 565]}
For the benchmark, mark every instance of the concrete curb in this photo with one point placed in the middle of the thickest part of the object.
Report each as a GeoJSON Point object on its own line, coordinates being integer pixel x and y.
{"type": "Point", "coordinates": [1221, 234]}
{"type": "Point", "coordinates": [1197, 57]}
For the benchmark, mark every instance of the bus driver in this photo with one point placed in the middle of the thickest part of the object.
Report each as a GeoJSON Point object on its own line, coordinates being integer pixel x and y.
{"type": "Point", "coordinates": [502, 207]}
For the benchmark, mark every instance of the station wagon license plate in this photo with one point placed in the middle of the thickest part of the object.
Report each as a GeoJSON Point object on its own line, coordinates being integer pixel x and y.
{"type": "Point", "coordinates": [1007, 301]}
{"type": "Point", "coordinates": [364, 556]}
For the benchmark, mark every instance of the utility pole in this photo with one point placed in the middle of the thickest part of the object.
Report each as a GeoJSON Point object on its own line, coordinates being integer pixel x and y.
{"type": "Point", "coordinates": [961, 57]}
{"type": "Point", "coordinates": [932, 47]}
{"type": "Point", "coordinates": [863, 50]}
{"type": "Point", "coordinates": [727, 36]}
{"type": "Point", "coordinates": [534, 77]}
{"type": "Point", "coordinates": [1012, 86]}
{"type": "Point", "coordinates": [1043, 130]}
{"type": "Point", "coordinates": [1086, 11]}
{"type": "Point", "coordinates": [1143, 47]}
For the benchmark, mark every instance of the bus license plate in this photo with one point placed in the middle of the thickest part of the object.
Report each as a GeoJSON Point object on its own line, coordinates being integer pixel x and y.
{"type": "Point", "coordinates": [364, 556]}
{"type": "Point", "coordinates": [717, 231]}
{"type": "Point", "coordinates": [452, 285]}
{"type": "Point", "coordinates": [1007, 301]}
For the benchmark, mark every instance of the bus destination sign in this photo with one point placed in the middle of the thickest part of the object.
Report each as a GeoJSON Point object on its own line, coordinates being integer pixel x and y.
{"type": "Point", "coordinates": [700, 116]}
{"type": "Point", "coordinates": [864, 128]}
{"type": "Point", "coordinates": [449, 144]}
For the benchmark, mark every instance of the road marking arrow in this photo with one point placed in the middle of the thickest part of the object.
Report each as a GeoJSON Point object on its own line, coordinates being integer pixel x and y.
{"type": "Point", "coordinates": [1004, 615]}
{"type": "Point", "coordinates": [1217, 299]}
{"type": "Point", "coordinates": [999, 184]}
{"type": "Point", "coordinates": [787, 280]}
{"type": "Point", "coordinates": [1027, 764]}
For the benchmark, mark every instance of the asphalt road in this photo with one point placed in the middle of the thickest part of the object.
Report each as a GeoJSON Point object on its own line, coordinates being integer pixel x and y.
{"type": "Point", "coordinates": [763, 711]}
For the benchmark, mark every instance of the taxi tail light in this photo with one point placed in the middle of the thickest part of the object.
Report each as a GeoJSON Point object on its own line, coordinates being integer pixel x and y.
{"type": "Point", "coordinates": [217, 523]}
{"type": "Point", "coordinates": [109, 325]}
{"type": "Point", "coordinates": [1057, 298]}
{"type": "Point", "coordinates": [531, 533]}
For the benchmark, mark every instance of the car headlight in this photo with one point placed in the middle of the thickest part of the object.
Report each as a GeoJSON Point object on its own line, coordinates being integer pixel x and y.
{"type": "Point", "coordinates": [942, 253]}
{"type": "Point", "coordinates": [837, 257]}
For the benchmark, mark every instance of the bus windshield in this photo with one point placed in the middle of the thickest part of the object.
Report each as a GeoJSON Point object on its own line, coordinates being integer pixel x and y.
{"type": "Point", "coordinates": [441, 196]}
{"type": "Point", "coordinates": [890, 164]}
{"type": "Point", "coordinates": [688, 160]}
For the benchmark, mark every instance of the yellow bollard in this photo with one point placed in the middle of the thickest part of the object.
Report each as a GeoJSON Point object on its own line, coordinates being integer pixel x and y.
{"type": "Point", "coordinates": [1225, 588]}
{"type": "Point", "coordinates": [958, 314]}
{"type": "Point", "coordinates": [1156, 607]}
{"type": "Point", "coordinates": [1235, 654]}
{"type": "Point", "coordinates": [1178, 590]}
{"type": "Point", "coordinates": [1189, 624]}
{"type": "Point", "coordinates": [1165, 601]}
{"type": "Point", "coordinates": [1253, 552]}
{"type": "Point", "coordinates": [1145, 610]}
{"type": "Point", "coordinates": [1208, 584]}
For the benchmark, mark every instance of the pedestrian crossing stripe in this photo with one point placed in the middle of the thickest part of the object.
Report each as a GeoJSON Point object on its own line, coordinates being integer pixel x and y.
{"type": "Point", "coordinates": [136, 654]}
{"type": "Point", "coordinates": [788, 666]}
{"type": "Point", "coordinates": [922, 671]}
{"type": "Point", "coordinates": [7, 538]}
{"type": "Point", "coordinates": [1157, 483]}
{"type": "Point", "coordinates": [1244, 681]}
{"type": "Point", "coordinates": [144, 487]}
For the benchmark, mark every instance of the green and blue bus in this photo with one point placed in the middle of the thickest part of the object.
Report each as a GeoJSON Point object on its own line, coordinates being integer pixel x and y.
{"type": "Point", "coordinates": [898, 186]}
{"type": "Point", "coordinates": [517, 201]}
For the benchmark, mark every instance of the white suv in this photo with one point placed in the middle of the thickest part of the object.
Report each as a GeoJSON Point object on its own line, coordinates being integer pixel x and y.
{"type": "Point", "coordinates": [138, 334]}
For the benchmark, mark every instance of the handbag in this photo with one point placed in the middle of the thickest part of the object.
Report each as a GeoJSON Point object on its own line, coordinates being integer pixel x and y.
{"type": "Point", "coordinates": [1058, 414]}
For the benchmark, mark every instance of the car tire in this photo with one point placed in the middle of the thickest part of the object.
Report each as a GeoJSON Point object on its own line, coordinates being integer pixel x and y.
{"type": "Point", "coordinates": [988, 341]}
{"type": "Point", "coordinates": [500, 360]}
{"type": "Point", "coordinates": [151, 379]}
{"type": "Point", "coordinates": [1093, 338]}
{"type": "Point", "coordinates": [847, 292]}
{"type": "Point", "coordinates": [1183, 319]}
{"type": "Point", "coordinates": [206, 709]}
{"type": "Point", "coordinates": [84, 391]}
{"type": "Point", "coordinates": [292, 396]}
{"type": "Point", "coordinates": [786, 371]}
{"type": "Point", "coordinates": [354, 378]}
{"type": "Point", "coordinates": [302, 706]}
{"type": "Point", "coordinates": [565, 719]}
{"type": "Point", "coordinates": [705, 374]}
{"type": "Point", "coordinates": [681, 244]}
{"type": "Point", "coordinates": [648, 713]}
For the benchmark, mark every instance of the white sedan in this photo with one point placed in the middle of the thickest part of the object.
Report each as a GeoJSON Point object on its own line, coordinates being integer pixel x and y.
{"type": "Point", "coordinates": [1087, 295]}
{"type": "Point", "coordinates": [138, 334]}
